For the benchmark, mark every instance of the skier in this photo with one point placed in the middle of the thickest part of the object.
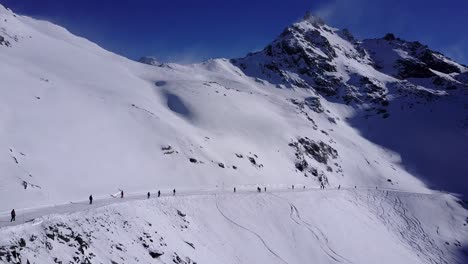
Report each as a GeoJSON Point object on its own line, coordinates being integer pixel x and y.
{"type": "Point", "coordinates": [173, 192]}
{"type": "Point", "coordinates": [91, 199]}
{"type": "Point", "coordinates": [159, 193]}
{"type": "Point", "coordinates": [148, 194]}
{"type": "Point", "coordinates": [13, 215]}
{"type": "Point", "coordinates": [265, 189]}
{"type": "Point", "coordinates": [339, 186]}
{"type": "Point", "coordinates": [292, 187]}
{"type": "Point", "coordinates": [258, 189]}
{"type": "Point", "coordinates": [121, 194]}
{"type": "Point", "coordinates": [234, 189]}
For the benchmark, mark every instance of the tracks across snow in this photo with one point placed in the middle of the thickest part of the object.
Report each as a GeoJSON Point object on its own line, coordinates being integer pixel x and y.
{"type": "Point", "coordinates": [321, 238]}
{"type": "Point", "coordinates": [388, 207]}
{"type": "Point", "coordinates": [250, 231]}
{"type": "Point", "coordinates": [25, 215]}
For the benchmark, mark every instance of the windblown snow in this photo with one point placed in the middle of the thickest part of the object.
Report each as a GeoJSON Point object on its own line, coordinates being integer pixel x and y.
{"type": "Point", "coordinates": [386, 120]}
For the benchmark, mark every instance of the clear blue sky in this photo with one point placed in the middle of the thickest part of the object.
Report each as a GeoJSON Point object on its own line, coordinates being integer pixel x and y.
{"type": "Point", "coordinates": [194, 30]}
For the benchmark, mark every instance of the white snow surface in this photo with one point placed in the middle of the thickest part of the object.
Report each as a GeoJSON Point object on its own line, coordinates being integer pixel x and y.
{"type": "Point", "coordinates": [330, 226]}
{"type": "Point", "coordinates": [77, 120]}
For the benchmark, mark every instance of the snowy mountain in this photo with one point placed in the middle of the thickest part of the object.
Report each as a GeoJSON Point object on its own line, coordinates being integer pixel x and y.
{"type": "Point", "coordinates": [316, 106]}
{"type": "Point", "coordinates": [390, 78]}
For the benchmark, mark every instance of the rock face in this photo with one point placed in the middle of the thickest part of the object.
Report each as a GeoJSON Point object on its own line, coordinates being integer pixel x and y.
{"type": "Point", "coordinates": [311, 155]}
{"type": "Point", "coordinates": [4, 42]}
{"type": "Point", "coordinates": [150, 61]}
{"type": "Point", "coordinates": [312, 55]}
{"type": "Point", "coordinates": [413, 59]}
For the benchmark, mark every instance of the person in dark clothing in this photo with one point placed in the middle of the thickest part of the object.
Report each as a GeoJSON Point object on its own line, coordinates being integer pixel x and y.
{"type": "Point", "coordinates": [159, 193]}
{"type": "Point", "coordinates": [234, 189]}
{"type": "Point", "coordinates": [292, 187]}
{"type": "Point", "coordinates": [91, 199]}
{"type": "Point", "coordinates": [339, 186]}
{"type": "Point", "coordinates": [148, 194]}
{"type": "Point", "coordinates": [173, 192]}
{"type": "Point", "coordinates": [13, 215]}
{"type": "Point", "coordinates": [265, 189]}
{"type": "Point", "coordinates": [258, 189]}
{"type": "Point", "coordinates": [121, 194]}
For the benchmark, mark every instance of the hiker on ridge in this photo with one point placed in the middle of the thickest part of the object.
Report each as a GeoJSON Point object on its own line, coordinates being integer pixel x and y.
{"type": "Point", "coordinates": [13, 215]}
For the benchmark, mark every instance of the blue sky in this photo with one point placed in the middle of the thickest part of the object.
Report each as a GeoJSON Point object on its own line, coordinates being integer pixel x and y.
{"type": "Point", "coordinates": [194, 30]}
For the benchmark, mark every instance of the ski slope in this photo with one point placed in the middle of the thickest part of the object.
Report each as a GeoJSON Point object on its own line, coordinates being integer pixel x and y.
{"type": "Point", "coordinates": [326, 226]}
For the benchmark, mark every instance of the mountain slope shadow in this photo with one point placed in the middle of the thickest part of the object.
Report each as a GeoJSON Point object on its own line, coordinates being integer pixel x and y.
{"type": "Point", "coordinates": [177, 105]}
{"type": "Point", "coordinates": [434, 149]}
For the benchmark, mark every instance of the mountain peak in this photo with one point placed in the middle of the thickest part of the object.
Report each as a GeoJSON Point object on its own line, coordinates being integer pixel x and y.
{"type": "Point", "coordinates": [314, 20]}
{"type": "Point", "coordinates": [150, 61]}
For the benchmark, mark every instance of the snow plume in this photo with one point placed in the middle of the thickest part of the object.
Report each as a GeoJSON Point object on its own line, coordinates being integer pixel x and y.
{"type": "Point", "coordinates": [351, 10]}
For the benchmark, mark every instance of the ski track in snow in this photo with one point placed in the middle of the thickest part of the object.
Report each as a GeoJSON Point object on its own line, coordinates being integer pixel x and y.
{"type": "Point", "coordinates": [26, 215]}
{"type": "Point", "coordinates": [250, 231]}
{"type": "Point", "coordinates": [317, 233]}
{"type": "Point", "coordinates": [410, 229]}
{"type": "Point", "coordinates": [386, 205]}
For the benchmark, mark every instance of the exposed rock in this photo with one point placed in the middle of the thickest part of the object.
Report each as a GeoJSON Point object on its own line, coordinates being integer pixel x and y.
{"type": "Point", "coordinates": [155, 253]}
{"type": "Point", "coordinates": [320, 151]}
{"type": "Point", "coordinates": [180, 213]}
{"type": "Point", "coordinates": [150, 61]}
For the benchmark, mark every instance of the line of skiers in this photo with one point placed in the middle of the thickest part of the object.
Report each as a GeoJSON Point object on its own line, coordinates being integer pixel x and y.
{"type": "Point", "coordinates": [148, 195]}
{"type": "Point", "coordinates": [322, 186]}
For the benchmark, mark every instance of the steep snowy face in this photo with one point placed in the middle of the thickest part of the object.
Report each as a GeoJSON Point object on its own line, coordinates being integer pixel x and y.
{"type": "Point", "coordinates": [311, 54]}
{"type": "Point", "coordinates": [394, 83]}
{"type": "Point", "coordinates": [331, 62]}
{"type": "Point", "coordinates": [405, 60]}
{"type": "Point", "coordinates": [307, 54]}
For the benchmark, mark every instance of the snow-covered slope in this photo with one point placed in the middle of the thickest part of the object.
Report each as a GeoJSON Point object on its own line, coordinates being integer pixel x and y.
{"type": "Point", "coordinates": [406, 97]}
{"type": "Point", "coordinates": [345, 226]}
{"type": "Point", "coordinates": [316, 106]}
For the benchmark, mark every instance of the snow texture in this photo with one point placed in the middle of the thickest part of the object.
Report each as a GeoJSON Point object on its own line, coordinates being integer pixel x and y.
{"type": "Point", "coordinates": [315, 107]}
